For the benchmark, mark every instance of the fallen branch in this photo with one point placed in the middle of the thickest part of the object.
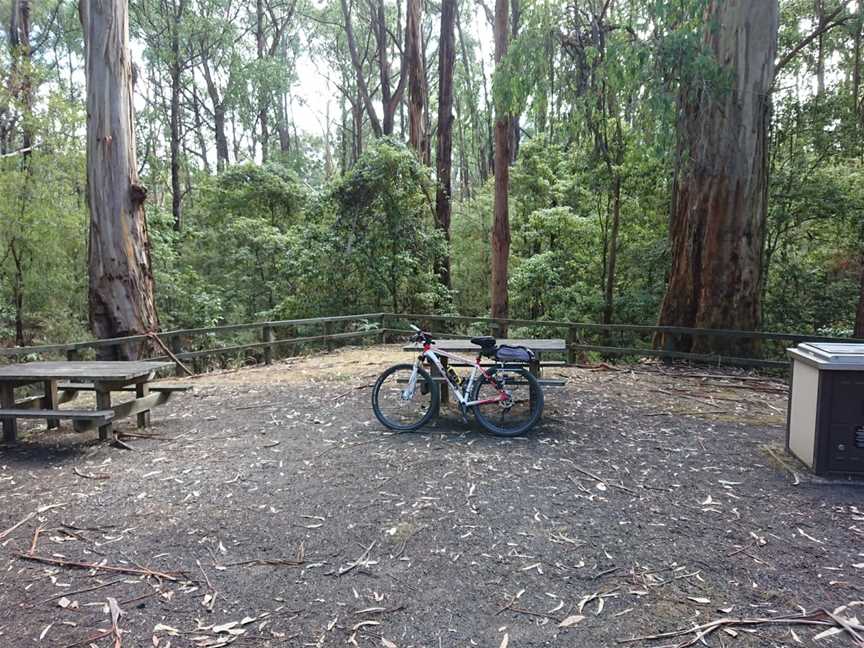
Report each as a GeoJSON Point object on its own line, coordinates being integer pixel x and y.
{"type": "Point", "coordinates": [276, 562]}
{"type": "Point", "coordinates": [344, 394]}
{"type": "Point", "coordinates": [357, 562]}
{"type": "Point", "coordinates": [82, 591]}
{"type": "Point", "coordinates": [109, 568]}
{"type": "Point", "coordinates": [817, 618]}
{"type": "Point", "coordinates": [90, 475]}
{"type": "Point", "coordinates": [27, 518]}
{"type": "Point", "coordinates": [36, 534]}
{"type": "Point", "coordinates": [153, 336]}
{"type": "Point", "coordinates": [213, 593]}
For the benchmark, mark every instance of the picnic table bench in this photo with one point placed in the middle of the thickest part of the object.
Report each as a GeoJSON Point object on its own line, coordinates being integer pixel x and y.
{"type": "Point", "coordinates": [103, 378]}
{"type": "Point", "coordinates": [539, 346]}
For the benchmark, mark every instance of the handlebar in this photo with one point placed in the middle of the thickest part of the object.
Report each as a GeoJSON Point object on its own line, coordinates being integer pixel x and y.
{"type": "Point", "coordinates": [421, 336]}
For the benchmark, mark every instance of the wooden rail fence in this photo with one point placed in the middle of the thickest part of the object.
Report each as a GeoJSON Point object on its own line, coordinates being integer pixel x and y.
{"type": "Point", "coordinates": [267, 338]}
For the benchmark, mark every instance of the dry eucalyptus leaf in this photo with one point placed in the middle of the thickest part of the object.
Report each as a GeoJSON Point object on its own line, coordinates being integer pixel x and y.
{"type": "Point", "coordinates": [571, 621]}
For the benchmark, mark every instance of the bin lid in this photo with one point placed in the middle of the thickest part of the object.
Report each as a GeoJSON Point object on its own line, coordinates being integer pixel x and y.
{"type": "Point", "coordinates": [841, 356]}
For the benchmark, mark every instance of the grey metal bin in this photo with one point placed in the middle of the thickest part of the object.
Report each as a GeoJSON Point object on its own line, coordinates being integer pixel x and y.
{"type": "Point", "coordinates": [825, 426]}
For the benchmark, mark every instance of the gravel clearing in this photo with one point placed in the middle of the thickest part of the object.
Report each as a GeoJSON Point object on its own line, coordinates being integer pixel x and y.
{"type": "Point", "coordinates": [269, 508]}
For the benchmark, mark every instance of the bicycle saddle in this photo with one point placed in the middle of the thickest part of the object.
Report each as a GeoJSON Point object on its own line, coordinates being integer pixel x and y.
{"type": "Point", "coordinates": [484, 341]}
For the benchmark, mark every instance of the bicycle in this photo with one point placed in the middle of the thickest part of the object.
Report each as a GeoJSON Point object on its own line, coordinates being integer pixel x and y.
{"type": "Point", "coordinates": [506, 399]}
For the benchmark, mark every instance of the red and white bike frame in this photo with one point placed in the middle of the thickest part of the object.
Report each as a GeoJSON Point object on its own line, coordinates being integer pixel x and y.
{"type": "Point", "coordinates": [433, 358]}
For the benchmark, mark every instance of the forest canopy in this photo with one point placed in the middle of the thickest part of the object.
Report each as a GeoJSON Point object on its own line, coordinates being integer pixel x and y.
{"type": "Point", "coordinates": [305, 158]}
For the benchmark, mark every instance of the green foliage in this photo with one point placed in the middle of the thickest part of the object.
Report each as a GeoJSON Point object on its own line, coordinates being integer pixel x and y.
{"type": "Point", "coordinates": [597, 97]}
{"type": "Point", "coordinates": [373, 244]}
{"type": "Point", "coordinates": [259, 245]}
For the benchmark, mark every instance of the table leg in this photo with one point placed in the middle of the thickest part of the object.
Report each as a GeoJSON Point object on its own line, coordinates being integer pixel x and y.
{"type": "Point", "coordinates": [10, 424]}
{"type": "Point", "coordinates": [142, 390]}
{"type": "Point", "coordinates": [50, 401]}
{"type": "Point", "coordinates": [103, 402]}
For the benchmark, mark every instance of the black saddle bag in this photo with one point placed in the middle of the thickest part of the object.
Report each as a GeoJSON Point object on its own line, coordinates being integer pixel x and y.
{"type": "Point", "coordinates": [507, 353]}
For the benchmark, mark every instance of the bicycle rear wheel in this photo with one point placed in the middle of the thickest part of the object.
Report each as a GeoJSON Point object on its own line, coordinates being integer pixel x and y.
{"type": "Point", "coordinates": [401, 408]}
{"type": "Point", "coordinates": [519, 412]}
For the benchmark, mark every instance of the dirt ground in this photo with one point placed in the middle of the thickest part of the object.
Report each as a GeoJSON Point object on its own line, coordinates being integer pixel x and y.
{"type": "Point", "coordinates": [269, 508]}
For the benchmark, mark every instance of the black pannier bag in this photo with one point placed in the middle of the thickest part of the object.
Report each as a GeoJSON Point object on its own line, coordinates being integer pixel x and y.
{"type": "Point", "coordinates": [507, 353]}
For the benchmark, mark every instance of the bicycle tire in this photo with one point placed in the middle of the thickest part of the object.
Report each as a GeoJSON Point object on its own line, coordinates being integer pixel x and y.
{"type": "Point", "coordinates": [432, 391]}
{"type": "Point", "coordinates": [535, 399]}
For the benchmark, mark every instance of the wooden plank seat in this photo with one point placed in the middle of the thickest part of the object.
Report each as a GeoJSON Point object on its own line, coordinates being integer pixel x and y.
{"type": "Point", "coordinates": [544, 382]}
{"type": "Point", "coordinates": [153, 387]}
{"type": "Point", "coordinates": [74, 415]}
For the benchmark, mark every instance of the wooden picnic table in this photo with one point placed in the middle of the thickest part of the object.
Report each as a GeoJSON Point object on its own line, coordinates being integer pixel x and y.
{"type": "Point", "coordinates": [99, 377]}
{"type": "Point", "coordinates": [539, 346]}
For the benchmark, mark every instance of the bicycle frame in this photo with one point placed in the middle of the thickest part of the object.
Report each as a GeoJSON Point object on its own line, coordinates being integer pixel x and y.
{"type": "Point", "coordinates": [476, 371]}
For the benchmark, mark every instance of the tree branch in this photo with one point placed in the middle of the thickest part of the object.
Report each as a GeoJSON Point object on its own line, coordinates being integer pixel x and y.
{"type": "Point", "coordinates": [828, 25]}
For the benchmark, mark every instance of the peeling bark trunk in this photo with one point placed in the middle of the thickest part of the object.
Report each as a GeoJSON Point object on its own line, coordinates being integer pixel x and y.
{"type": "Point", "coordinates": [444, 150]}
{"type": "Point", "coordinates": [121, 278]}
{"type": "Point", "coordinates": [717, 228]}
{"type": "Point", "coordinates": [501, 221]}
{"type": "Point", "coordinates": [416, 79]}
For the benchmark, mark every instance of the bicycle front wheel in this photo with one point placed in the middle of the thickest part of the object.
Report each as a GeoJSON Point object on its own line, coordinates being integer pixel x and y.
{"type": "Point", "coordinates": [401, 406]}
{"type": "Point", "coordinates": [522, 407]}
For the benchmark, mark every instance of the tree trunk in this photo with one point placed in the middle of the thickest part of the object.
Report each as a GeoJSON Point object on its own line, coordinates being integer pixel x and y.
{"type": "Point", "coordinates": [464, 173]}
{"type": "Point", "coordinates": [218, 117]}
{"type": "Point", "coordinates": [717, 228]}
{"type": "Point", "coordinates": [121, 278]}
{"type": "Point", "coordinates": [416, 79]}
{"type": "Point", "coordinates": [199, 129]}
{"type": "Point", "coordinates": [176, 88]}
{"type": "Point", "coordinates": [328, 148]}
{"type": "Point", "coordinates": [819, 10]}
{"type": "Point", "coordinates": [444, 151]}
{"type": "Point", "coordinates": [262, 92]}
{"type": "Point", "coordinates": [516, 135]}
{"type": "Point", "coordinates": [857, 102]}
{"type": "Point", "coordinates": [357, 142]}
{"type": "Point", "coordinates": [362, 88]}
{"type": "Point", "coordinates": [501, 222]}
{"type": "Point", "coordinates": [476, 129]}
{"type": "Point", "coordinates": [612, 257]}
{"type": "Point", "coordinates": [21, 80]}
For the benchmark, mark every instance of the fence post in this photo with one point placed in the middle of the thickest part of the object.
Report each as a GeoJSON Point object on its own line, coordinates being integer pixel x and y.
{"type": "Point", "coordinates": [668, 346]}
{"type": "Point", "coordinates": [328, 331]}
{"type": "Point", "coordinates": [177, 349]}
{"type": "Point", "coordinates": [383, 328]}
{"type": "Point", "coordinates": [268, 336]}
{"type": "Point", "coordinates": [572, 336]}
